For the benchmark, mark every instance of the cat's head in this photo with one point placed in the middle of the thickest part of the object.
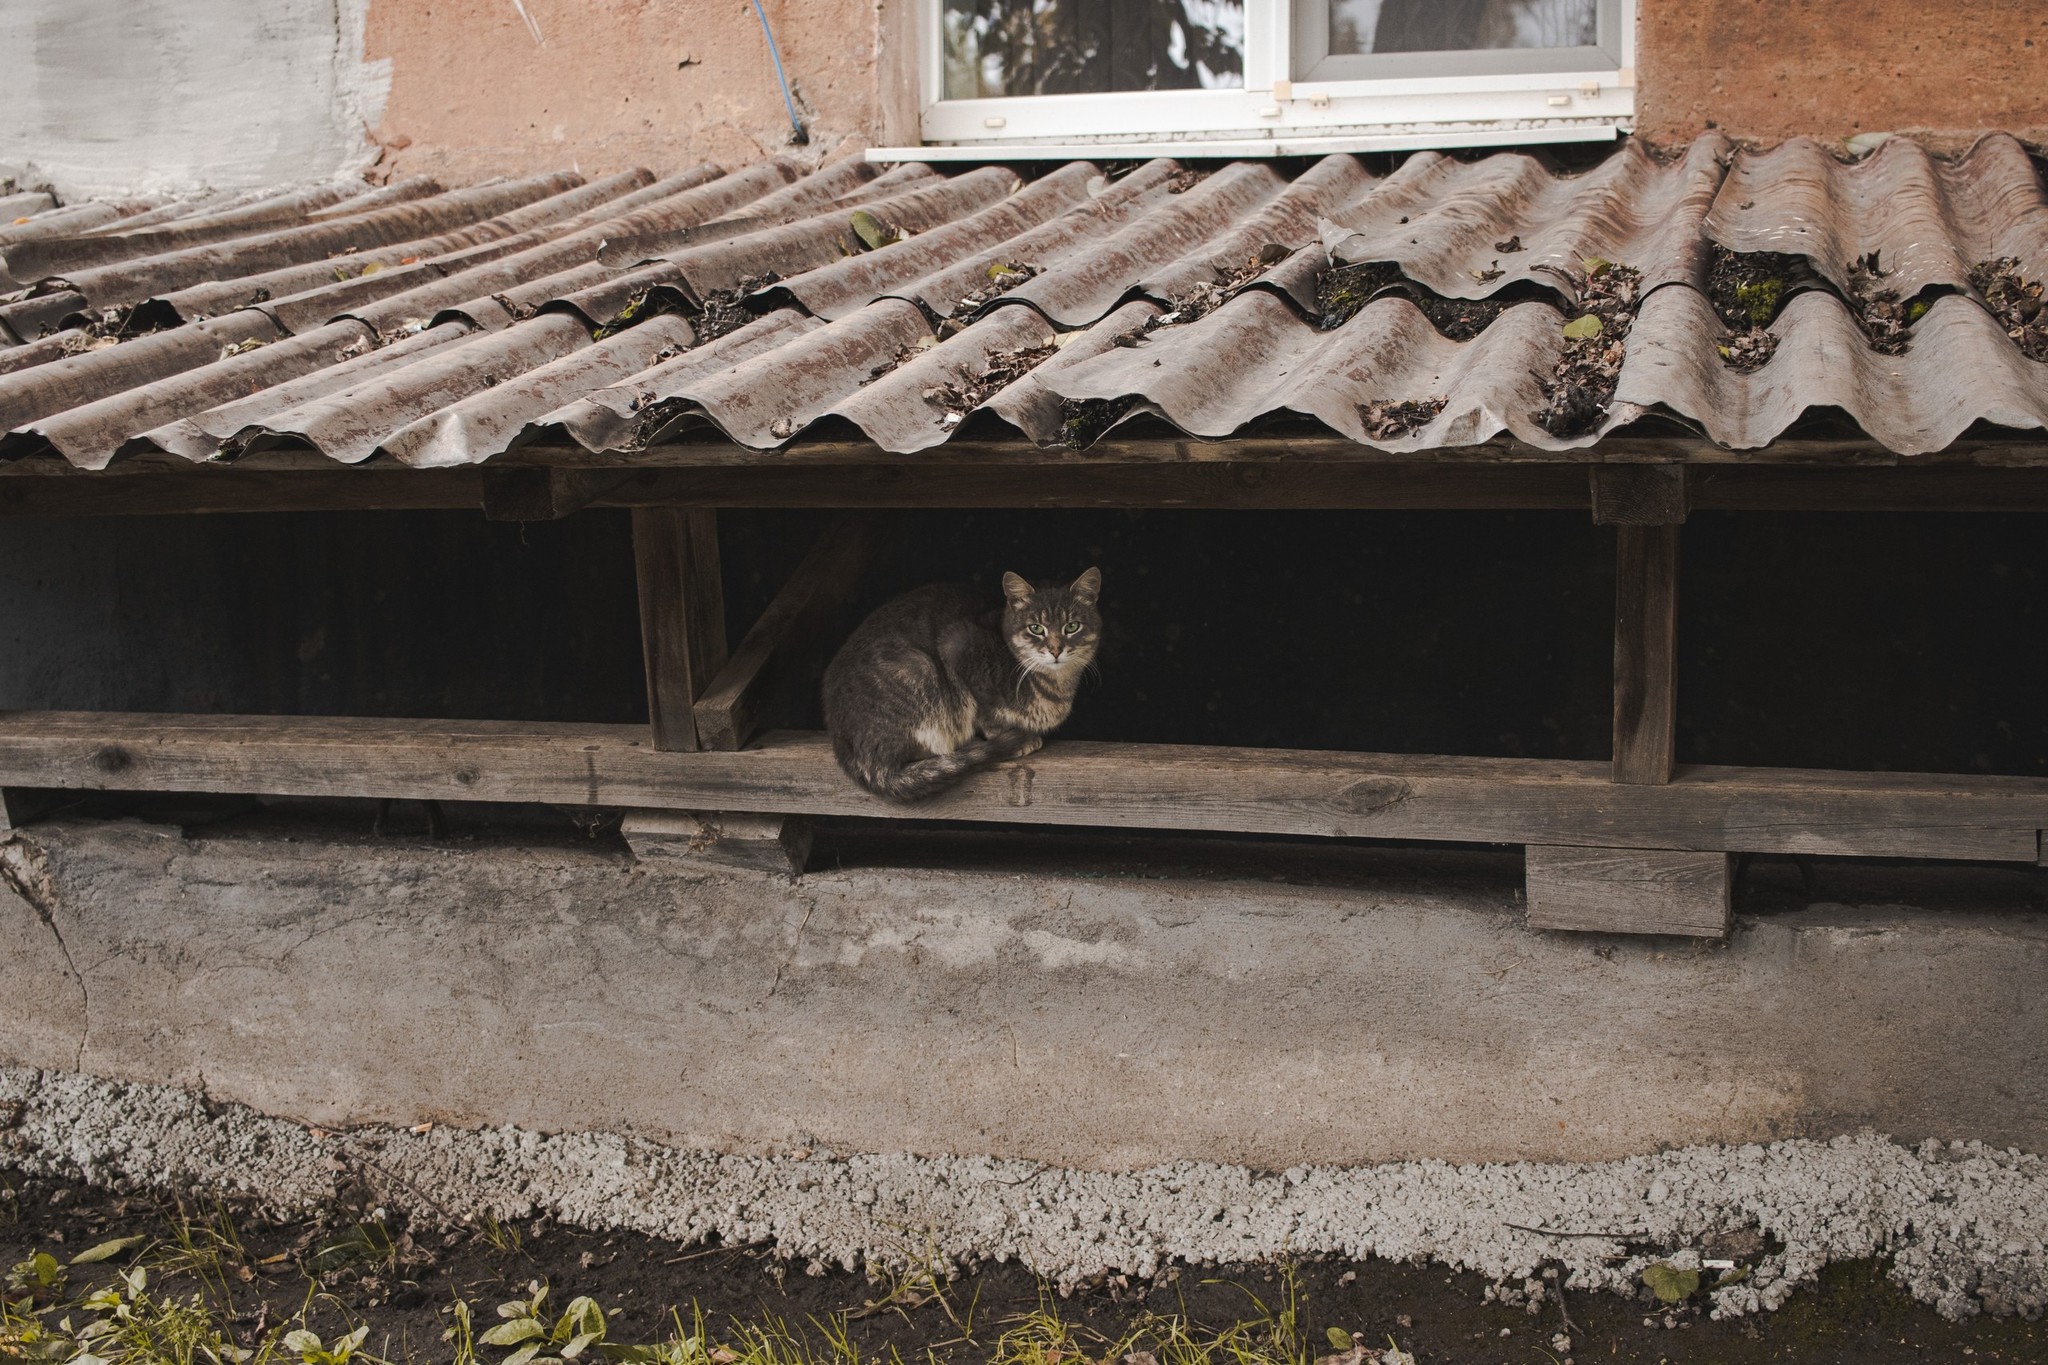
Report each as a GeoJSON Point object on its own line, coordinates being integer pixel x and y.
{"type": "Point", "coordinates": [1052, 629]}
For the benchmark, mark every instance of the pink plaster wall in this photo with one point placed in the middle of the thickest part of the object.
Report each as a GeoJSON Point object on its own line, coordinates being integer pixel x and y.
{"type": "Point", "coordinates": [494, 87]}
{"type": "Point", "coordinates": [485, 87]}
{"type": "Point", "coordinates": [1773, 69]}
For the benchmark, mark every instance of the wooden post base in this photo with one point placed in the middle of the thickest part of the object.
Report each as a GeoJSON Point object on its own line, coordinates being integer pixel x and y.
{"type": "Point", "coordinates": [713, 839]}
{"type": "Point", "coordinates": [1629, 890]}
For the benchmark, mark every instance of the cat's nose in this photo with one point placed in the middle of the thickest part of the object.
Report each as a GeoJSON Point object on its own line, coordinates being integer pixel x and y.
{"type": "Point", "coordinates": [1053, 647]}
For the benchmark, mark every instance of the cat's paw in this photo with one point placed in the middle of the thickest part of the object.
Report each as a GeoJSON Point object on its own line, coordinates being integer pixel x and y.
{"type": "Point", "coordinates": [1026, 746]}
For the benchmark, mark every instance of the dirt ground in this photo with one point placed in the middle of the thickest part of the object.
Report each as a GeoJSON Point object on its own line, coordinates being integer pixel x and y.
{"type": "Point", "coordinates": [333, 1269]}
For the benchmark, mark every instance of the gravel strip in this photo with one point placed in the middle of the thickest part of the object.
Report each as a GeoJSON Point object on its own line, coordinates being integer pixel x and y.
{"type": "Point", "coordinates": [1964, 1224]}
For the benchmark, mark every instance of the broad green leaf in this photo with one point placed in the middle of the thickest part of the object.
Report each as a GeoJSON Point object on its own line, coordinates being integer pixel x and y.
{"type": "Point", "coordinates": [1339, 1338]}
{"type": "Point", "coordinates": [518, 1308]}
{"type": "Point", "coordinates": [107, 1251]}
{"type": "Point", "coordinates": [1597, 266]}
{"type": "Point", "coordinates": [577, 1344]}
{"type": "Point", "coordinates": [1669, 1283]}
{"type": "Point", "coordinates": [524, 1354]}
{"type": "Point", "coordinates": [870, 230]}
{"type": "Point", "coordinates": [1583, 329]}
{"type": "Point", "coordinates": [513, 1332]}
{"type": "Point", "coordinates": [353, 1339]}
{"type": "Point", "coordinates": [301, 1341]}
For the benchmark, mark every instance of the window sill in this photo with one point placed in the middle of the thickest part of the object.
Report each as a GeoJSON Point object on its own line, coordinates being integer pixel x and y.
{"type": "Point", "coordinates": [1277, 142]}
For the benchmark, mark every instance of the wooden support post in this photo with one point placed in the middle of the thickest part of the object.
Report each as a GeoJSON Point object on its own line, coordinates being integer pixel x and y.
{"type": "Point", "coordinates": [732, 707]}
{"type": "Point", "coordinates": [1646, 504]}
{"type": "Point", "coordinates": [682, 615]}
{"type": "Point", "coordinates": [1629, 890]}
{"type": "Point", "coordinates": [1645, 653]}
{"type": "Point", "coordinates": [761, 843]}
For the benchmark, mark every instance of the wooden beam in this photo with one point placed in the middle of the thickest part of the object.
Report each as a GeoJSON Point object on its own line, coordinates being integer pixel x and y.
{"type": "Point", "coordinates": [337, 488]}
{"type": "Point", "coordinates": [1638, 494]}
{"type": "Point", "coordinates": [1645, 652]}
{"type": "Point", "coordinates": [523, 493]}
{"type": "Point", "coordinates": [1237, 478]}
{"type": "Point", "coordinates": [682, 616]}
{"type": "Point", "coordinates": [1361, 485]}
{"type": "Point", "coordinates": [731, 707]}
{"type": "Point", "coordinates": [1298, 792]}
{"type": "Point", "coordinates": [1629, 890]}
{"type": "Point", "coordinates": [1305, 445]}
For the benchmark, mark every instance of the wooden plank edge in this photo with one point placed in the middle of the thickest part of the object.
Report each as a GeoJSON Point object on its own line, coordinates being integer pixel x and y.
{"type": "Point", "coordinates": [1629, 890]}
{"type": "Point", "coordinates": [1309, 793]}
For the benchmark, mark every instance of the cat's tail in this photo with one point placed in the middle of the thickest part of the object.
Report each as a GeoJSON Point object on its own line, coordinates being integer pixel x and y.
{"type": "Point", "coordinates": [923, 778]}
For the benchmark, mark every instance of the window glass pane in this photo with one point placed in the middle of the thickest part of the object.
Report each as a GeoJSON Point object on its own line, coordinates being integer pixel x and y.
{"type": "Point", "coordinates": [1067, 47]}
{"type": "Point", "coordinates": [1359, 26]}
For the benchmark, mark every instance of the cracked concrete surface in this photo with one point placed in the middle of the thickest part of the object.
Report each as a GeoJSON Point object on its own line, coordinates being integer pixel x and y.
{"type": "Point", "coordinates": [1964, 1224]}
{"type": "Point", "coordinates": [25, 871]}
{"type": "Point", "coordinates": [1385, 1004]}
{"type": "Point", "coordinates": [1096, 1063]}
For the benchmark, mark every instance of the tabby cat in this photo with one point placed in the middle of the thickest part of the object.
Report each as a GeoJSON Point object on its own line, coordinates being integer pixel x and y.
{"type": "Point", "coordinates": [939, 682]}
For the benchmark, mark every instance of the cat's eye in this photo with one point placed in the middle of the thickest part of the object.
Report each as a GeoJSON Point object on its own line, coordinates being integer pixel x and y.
{"type": "Point", "coordinates": [1038, 631]}
{"type": "Point", "coordinates": [1073, 627]}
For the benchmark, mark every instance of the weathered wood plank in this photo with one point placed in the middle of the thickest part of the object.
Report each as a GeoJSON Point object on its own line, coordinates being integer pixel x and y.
{"type": "Point", "coordinates": [1301, 792]}
{"type": "Point", "coordinates": [191, 492]}
{"type": "Point", "coordinates": [1645, 652]}
{"type": "Point", "coordinates": [731, 707]}
{"type": "Point", "coordinates": [1629, 890]}
{"type": "Point", "coordinates": [527, 493]}
{"type": "Point", "coordinates": [1236, 479]}
{"type": "Point", "coordinates": [1362, 485]}
{"type": "Point", "coordinates": [1623, 448]}
{"type": "Point", "coordinates": [682, 615]}
{"type": "Point", "coordinates": [760, 843]}
{"type": "Point", "coordinates": [1638, 494]}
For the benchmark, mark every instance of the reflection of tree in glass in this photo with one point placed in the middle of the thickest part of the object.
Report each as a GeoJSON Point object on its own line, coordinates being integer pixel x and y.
{"type": "Point", "coordinates": [1067, 47]}
{"type": "Point", "coordinates": [1460, 25]}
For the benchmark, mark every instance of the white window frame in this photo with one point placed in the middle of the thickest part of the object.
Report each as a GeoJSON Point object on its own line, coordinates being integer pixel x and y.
{"type": "Point", "coordinates": [1278, 113]}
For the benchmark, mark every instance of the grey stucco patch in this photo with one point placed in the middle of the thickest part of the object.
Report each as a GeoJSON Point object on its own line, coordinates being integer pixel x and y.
{"type": "Point", "coordinates": [126, 96]}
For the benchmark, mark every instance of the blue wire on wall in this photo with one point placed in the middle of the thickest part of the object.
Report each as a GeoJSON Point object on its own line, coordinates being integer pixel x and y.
{"type": "Point", "coordinates": [797, 136]}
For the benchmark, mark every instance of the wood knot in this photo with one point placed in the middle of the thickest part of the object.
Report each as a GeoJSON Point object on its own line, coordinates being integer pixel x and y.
{"type": "Point", "coordinates": [1371, 795]}
{"type": "Point", "coordinates": [466, 776]}
{"type": "Point", "coordinates": [112, 758]}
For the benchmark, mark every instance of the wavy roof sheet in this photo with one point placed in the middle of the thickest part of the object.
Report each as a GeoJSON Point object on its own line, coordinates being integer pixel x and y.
{"type": "Point", "coordinates": [781, 302]}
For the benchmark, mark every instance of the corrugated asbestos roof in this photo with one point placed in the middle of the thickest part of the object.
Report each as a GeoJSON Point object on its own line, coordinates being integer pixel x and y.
{"type": "Point", "coordinates": [1430, 307]}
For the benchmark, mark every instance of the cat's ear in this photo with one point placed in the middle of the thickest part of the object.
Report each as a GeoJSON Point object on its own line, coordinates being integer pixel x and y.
{"type": "Point", "coordinates": [1087, 587]}
{"type": "Point", "coordinates": [1016, 589]}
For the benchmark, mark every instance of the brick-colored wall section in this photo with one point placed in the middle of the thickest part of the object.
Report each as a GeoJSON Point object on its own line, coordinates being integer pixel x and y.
{"type": "Point", "coordinates": [511, 87]}
{"type": "Point", "coordinates": [1772, 69]}
{"type": "Point", "coordinates": [490, 87]}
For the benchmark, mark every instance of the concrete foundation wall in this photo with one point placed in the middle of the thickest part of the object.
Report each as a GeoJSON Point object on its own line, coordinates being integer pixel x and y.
{"type": "Point", "coordinates": [1381, 1005]}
